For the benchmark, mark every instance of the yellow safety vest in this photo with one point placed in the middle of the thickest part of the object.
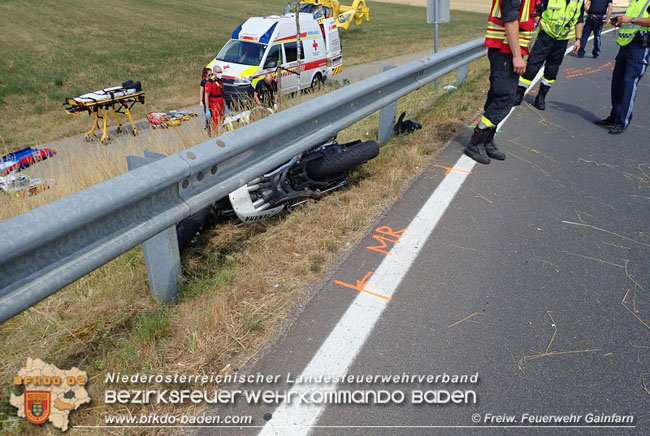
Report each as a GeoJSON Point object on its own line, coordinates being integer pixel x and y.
{"type": "Point", "coordinates": [560, 18]}
{"type": "Point", "coordinates": [627, 32]}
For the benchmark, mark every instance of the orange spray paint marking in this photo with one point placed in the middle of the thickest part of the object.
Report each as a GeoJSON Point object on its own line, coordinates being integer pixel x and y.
{"type": "Point", "coordinates": [361, 286]}
{"type": "Point", "coordinates": [386, 234]}
{"type": "Point", "coordinates": [571, 73]}
{"type": "Point", "coordinates": [449, 169]}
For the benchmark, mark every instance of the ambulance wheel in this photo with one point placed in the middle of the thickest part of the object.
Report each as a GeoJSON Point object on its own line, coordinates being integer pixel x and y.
{"type": "Point", "coordinates": [316, 82]}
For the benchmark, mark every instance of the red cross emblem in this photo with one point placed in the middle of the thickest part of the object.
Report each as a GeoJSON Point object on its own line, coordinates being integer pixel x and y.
{"type": "Point", "coordinates": [315, 46]}
{"type": "Point", "coordinates": [226, 67]}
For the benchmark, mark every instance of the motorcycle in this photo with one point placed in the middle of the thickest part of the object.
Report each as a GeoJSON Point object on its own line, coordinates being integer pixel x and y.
{"type": "Point", "coordinates": [310, 174]}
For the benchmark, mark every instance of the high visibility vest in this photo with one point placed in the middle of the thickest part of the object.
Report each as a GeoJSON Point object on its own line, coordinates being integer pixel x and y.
{"type": "Point", "coordinates": [560, 18]}
{"type": "Point", "coordinates": [627, 31]}
{"type": "Point", "coordinates": [496, 32]}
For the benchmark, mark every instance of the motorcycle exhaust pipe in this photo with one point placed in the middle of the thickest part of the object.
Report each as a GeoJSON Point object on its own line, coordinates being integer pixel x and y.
{"type": "Point", "coordinates": [263, 207]}
{"type": "Point", "coordinates": [258, 203]}
{"type": "Point", "coordinates": [253, 188]}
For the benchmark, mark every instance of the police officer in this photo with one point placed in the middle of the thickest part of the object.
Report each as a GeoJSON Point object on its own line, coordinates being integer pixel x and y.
{"type": "Point", "coordinates": [560, 21]}
{"type": "Point", "coordinates": [510, 29]}
{"type": "Point", "coordinates": [598, 13]}
{"type": "Point", "coordinates": [631, 63]}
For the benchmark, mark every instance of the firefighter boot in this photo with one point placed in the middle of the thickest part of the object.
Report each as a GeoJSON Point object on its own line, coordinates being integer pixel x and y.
{"type": "Point", "coordinates": [540, 100]}
{"type": "Point", "coordinates": [475, 149]}
{"type": "Point", "coordinates": [491, 148]}
{"type": "Point", "coordinates": [521, 90]}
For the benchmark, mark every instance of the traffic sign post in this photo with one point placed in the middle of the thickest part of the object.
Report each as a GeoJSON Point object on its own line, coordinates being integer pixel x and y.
{"type": "Point", "coordinates": [438, 11]}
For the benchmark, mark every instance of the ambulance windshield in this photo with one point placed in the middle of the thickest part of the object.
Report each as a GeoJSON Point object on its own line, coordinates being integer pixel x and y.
{"type": "Point", "coordinates": [242, 52]}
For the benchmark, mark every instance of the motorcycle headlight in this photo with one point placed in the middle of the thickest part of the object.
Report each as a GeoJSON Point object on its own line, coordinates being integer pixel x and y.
{"type": "Point", "coordinates": [242, 81]}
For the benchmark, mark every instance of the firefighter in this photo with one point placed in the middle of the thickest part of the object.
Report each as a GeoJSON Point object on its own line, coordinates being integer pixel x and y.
{"type": "Point", "coordinates": [510, 28]}
{"type": "Point", "coordinates": [560, 21]}
{"type": "Point", "coordinates": [631, 63]}
{"type": "Point", "coordinates": [215, 107]}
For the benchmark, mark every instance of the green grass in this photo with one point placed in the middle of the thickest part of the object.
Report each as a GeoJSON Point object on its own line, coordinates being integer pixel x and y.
{"type": "Point", "coordinates": [56, 49]}
{"type": "Point", "coordinates": [240, 283]}
{"type": "Point", "coordinates": [153, 326]}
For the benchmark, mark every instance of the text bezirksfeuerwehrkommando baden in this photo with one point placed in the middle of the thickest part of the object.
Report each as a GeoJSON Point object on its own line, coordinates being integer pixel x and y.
{"type": "Point", "coordinates": [323, 389]}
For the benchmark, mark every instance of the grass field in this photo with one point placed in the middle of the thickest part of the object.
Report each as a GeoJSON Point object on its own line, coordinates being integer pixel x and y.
{"type": "Point", "coordinates": [56, 49]}
{"type": "Point", "coordinates": [235, 295]}
{"type": "Point", "coordinates": [461, 5]}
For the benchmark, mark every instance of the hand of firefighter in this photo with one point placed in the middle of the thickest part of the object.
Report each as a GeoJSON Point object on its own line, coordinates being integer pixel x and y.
{"type": "Point", "coordinates": [624, 19]}
{"type": "Point", "coordinates": [576, 47]}
{"type": "Point", "coordinates": [519, 65]}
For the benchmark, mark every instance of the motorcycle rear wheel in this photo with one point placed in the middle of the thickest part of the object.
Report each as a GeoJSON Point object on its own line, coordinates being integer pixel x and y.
{"type": "Point", "coordinates": [335, 162]}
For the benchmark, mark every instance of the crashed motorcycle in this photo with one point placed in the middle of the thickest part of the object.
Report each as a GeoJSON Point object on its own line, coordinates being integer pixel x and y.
{"type": "Point", "coordinates": [310, 174]}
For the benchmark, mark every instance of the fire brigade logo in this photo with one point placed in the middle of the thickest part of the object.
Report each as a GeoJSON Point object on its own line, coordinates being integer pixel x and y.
{"type": "Point", "coordinates": [37, 406]}
{"type": "Point", "coordinates": [50, 394]}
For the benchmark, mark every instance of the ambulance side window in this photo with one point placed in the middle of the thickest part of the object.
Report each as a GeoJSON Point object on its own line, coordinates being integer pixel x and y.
{"type": "Point", "coordinates": [292, 53]}
{"type": "Point", "coordinates": [274, 56]}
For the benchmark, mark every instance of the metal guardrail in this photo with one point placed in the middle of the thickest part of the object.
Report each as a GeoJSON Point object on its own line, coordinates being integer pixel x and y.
{"type": "Point", "coordinates": [47, 248]}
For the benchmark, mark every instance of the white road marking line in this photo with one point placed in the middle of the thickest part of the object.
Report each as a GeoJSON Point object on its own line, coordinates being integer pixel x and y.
{"type": "Point", "coordinates": [346, 339]}
{"type": "Point", "coordinates": [344, 342]}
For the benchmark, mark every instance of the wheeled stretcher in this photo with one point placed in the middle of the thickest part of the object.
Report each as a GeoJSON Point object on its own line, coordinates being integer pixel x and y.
{"type": "Point", "coordinates": [118, 100]}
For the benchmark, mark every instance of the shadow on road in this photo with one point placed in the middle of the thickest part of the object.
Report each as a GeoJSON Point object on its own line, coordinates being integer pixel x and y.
{"type": "Point", "coordinates": [573, 109]}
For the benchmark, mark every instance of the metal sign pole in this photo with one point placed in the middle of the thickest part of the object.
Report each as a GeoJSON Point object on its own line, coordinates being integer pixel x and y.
{"type": "Point", "coordinates": [298, 47]}
{"type": "Point", "coordinates": [436, 6]}
{"type": "Point", "coordinates": [438, 11]}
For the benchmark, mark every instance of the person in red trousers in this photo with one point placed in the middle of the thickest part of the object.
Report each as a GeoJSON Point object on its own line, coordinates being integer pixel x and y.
{"type": "Point", "coordinates": [215, 104]}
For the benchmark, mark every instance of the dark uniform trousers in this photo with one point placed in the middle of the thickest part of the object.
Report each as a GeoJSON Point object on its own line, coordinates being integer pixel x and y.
{"type": "Point", "coordinates": [593, 23]}
{"type": "Point", "coordinates": [503, 86]}
{"type": "Point", "coordinates": [631, 63]}
{"type": "Point", "coordinates": [549, 50]}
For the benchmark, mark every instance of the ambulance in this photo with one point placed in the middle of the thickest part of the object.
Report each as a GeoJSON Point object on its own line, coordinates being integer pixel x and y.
{"type": "Point", "coordinates": [262, 44]}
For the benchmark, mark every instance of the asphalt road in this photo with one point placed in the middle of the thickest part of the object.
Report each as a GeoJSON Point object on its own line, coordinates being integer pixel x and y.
{"type": "Point", "coordinates": [536, 278]}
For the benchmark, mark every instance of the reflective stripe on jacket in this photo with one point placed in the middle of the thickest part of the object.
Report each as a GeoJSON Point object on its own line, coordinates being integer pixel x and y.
{"type": "Point", "coordinates": [627, 31]}
{"type": "Point", "coordinates": [496, 31]}
{"type": "Point", "coordinates": [560, 18]}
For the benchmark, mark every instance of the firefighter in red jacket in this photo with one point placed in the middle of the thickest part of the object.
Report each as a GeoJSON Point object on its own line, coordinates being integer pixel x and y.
{"type": "Point", "coordinates": [216, 105]}
{"type": "Point", "coordinates": [510, 29]}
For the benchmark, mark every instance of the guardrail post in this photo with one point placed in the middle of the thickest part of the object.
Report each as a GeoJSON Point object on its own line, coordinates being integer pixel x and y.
{"type": "Point", "coordinates": [161, 254]}
{"type": "Point", "coordinates": [387, 118]}
{"type": "Point", "coordinates": [462, 75]}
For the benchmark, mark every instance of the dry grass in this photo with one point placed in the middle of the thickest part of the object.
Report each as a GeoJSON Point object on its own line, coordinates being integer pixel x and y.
{"type": "Point", "coordinates": [163, 44]}
{"type": "Point", "coordinates": [471, 5]}
{"type": "Point", "coordinates": [241, 282]}
{"type": "Point", "coordinates": [460, 5]}
{"type": "Point", "coordinates": [81, 165]}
